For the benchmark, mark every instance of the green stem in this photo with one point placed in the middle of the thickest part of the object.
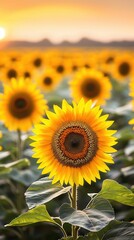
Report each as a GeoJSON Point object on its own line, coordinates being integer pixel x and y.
{"type": "Point", "coordinates": [63, 231]}
{"type": "Point", "coordinates": [19, 144]}
{"type": "Point", "coordinates": [20, 189]}
{"type": "Point", "coordinates": [74, 205]}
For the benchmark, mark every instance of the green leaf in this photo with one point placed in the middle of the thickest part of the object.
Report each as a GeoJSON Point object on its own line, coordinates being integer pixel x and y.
{"type": "Point", "coordinates": [4, 154]}
{"type": "Point", "coordinates": [124, 231]}
{"type": "Point", "coordinates": [6, 203]}
{"type": "Point", "coordinates": [98, 214]}
{"type": "Point", "coordinates": [25, 176]}
{"type": "Point", "coordinates": [67, 238]}
{"type": "Point", "coordinates": [127, 171]}
{"type": "Point", "coordinates": [112, 190]}
{"type": "Point", "coordinates": [19, 164]}
{"type": "Point", "coordinates": [38, 214]}
{"type": "Point", "coordinates": [42, 191]}
{"type": "Point", "coordinates": [91, 236]}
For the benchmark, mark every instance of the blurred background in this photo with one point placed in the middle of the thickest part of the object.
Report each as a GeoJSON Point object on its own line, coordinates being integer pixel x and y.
{"type": "Point", "coordinates": [57, 46]}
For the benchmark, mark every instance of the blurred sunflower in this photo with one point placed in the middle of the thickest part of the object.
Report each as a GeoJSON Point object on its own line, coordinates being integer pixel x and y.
{"type": "Point", "coordinates": [14, 56]}
{"type": "Point", "coordinates": [60, 65]}
{"type": "Point", "coordinates": [90, 84]}
{"type": "Point", "coordinates": [48, 80]}
{"type": "Point", "coordinates": [107, 57]}
{"type": "Point", "coordinates": [37, 60]}
{"type": "Point", "coordinates": [10, 71]}
{"type": "Point", "coordinates": [74, 143]}
{"type": "Point", "coordinates": [123, 67]}
{"type": "Point", "coordinates": [26, 71]}
{"type": "Point", "coordinates": [21, 105]}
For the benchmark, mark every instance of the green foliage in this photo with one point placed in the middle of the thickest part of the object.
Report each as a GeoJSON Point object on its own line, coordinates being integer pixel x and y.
{"type": "Point", "coordinates": [19, 164]}
{"type": "Point", "coordinates": [43, 191]}
{"type": "Point", "coordinates": [112, 190]}
{"type": "Point", "coordinates": [38, 214]}
{"type": "Point", "coordinates": [124, 231]}
{"type": "Point", "coordinates": [93, 218]}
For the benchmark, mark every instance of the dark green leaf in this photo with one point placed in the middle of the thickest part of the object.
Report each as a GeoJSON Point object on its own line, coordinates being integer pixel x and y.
{"type": "Point", "coordinates": [42, 191]}
{"type": "Point", "coordinates": [25, 176]}
{"type": "Point", "coordinates": [114, 191]}
{"type": "Point", "coordinates": [93, 219]}
{"type": "Point", "coordinates": [6, 203]}
{"type": "Point", "coordinates": [91, 236]}
{"type": "Point", "coordinates": [124, 231]}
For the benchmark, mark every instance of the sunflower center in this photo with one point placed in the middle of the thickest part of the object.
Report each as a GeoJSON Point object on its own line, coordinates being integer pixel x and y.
{"type": "Point", "coordinates": [47, 80]}
{"type": "Point", "coordinates": [20, 103]}
{"type": "Point", "coordinates": [37, 62]}
{"type": "Point", "coordinates": [75, 144]}
{"type": "Point", "coordinates": [12, 73]}
{"type": "Point", "coordinates": [21, 106]}
{"type": "Point", "coordinates": [27, 74]}
{"type": "Point", "coordinates": [91, 88]}
{"type": "Point", "coordinates": [110, 59]}
{"type": "Point", "coordinates": [13, 59]}
{"type": "Point", "coordinates": [124, 68]}
{"type": "Point", "coordinates": [87, 65]}
{"type": "Point", "coordinates": [60, 69]}
{"type": "Point", "coordinates": [74, 67]}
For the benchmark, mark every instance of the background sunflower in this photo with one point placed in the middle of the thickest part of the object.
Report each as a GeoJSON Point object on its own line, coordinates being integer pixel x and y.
{"type": "Point", "coordinates": [90, 84]}
{"type": "Point", "coordinates": [21, 105]}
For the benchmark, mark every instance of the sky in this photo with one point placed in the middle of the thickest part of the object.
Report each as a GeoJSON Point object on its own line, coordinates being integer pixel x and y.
{"type": "Point", "coordinates": [58, 20]}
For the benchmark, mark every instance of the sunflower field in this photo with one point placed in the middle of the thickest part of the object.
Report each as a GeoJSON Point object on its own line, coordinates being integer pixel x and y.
{"type": "Point", "coordinates": [67, 144]}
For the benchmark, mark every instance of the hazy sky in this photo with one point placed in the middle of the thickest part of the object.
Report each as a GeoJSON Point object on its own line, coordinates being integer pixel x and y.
{"type": "Point", "coordinates": [67, 19]}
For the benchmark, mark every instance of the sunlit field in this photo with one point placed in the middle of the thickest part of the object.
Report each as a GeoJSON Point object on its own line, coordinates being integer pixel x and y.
{"type": "Point", "coordinates": [66, 144]}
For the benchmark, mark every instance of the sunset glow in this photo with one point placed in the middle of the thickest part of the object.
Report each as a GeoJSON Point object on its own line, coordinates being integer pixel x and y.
{"type": "Point", "coordinates": [2, 33]}
{"type": "Point", "coordinates": [57, 20]}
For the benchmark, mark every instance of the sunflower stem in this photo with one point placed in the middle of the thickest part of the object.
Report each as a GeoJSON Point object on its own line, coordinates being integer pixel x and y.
{"type": "Point", "coordinates": [19, 186]}
{"type": "Point", "coordinates": [19, 143]}
{"type": "Point", "coordinates": [74, 205]}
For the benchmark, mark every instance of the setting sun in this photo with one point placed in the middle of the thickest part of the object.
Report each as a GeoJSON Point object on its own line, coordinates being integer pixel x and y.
{"type": "Point", "coordinates": [2, 33]}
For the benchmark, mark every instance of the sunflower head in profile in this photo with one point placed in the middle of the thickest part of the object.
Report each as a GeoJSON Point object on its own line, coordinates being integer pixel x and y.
{"type": "Point", "coordinates": [123, 67]}
{"type": "Point", "coordinates": [74, 143]}
{"type": "Point", "coordinates": [90, 84]}
{"type": "Point", "coordinates": [48, 79]}
{"type": "Point", "coordinates": [21, 105]}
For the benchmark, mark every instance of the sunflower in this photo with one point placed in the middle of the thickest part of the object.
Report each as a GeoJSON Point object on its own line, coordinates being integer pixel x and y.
{"type": "Point", "coordinates": [21, 105]}
{"type": "Point", "coordinates": [26, 72]}
{"type": "Point", "coordinates": [123, 67]}
{"type": "Point", "coordinates": [90, 84]}
{"type": "Point", "coordinates": [60, 65]}
{"type": "Point", "coordinates": [10, 71]}
{"type": "Point", "coordinates": [37, 60]}
{"type": "Point", "coordinates": [48, 79]}
{"type": "Point", "coordinates": [74, 143]}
